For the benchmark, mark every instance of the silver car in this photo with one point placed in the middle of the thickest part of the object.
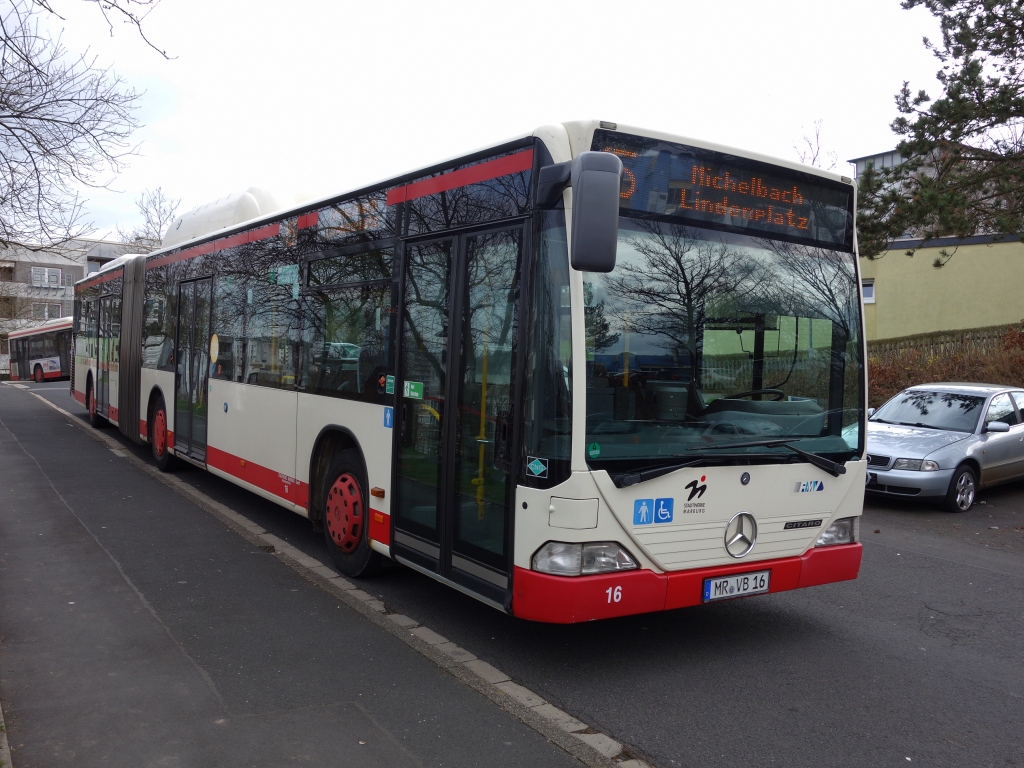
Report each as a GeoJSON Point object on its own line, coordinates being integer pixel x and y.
{"type": "Point", "coordinates": [945, 441]}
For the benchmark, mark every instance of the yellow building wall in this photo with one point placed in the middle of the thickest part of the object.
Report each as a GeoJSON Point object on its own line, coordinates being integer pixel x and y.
{"type": "Point", "coordinates": [982, 285]}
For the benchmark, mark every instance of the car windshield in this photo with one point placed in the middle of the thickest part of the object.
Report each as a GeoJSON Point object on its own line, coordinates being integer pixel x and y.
{"type": "Point", "coordinates": [701, 338]}
{"type": "Point", "coordinates": [935, 410]}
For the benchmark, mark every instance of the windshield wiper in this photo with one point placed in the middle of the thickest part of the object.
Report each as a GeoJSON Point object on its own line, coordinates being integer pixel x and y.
{"type": "Point", "coordinates": [833, 468]}
{"type": "Point", "coordinates": [626, 479]}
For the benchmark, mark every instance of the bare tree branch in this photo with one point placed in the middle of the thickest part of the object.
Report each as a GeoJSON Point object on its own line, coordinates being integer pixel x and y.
{"type": "Point", "coordinates": [65, 125]}
{"type": "Point", "coordinates": [158, 211]}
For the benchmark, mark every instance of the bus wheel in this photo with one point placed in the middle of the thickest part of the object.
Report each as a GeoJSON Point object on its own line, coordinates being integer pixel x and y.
{"type": "Point", "coordinates": [95, 420]}
{"type": "Point", "coordinates": [346, 517]}
{"type": "Point", "coordinates": [158, 436]}
{"type": "Point", "coordinates": [37, 374]}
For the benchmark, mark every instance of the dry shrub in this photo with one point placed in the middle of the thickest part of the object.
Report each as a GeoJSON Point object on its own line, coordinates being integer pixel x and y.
{"type": "Point", "coordinates": [890, 376]}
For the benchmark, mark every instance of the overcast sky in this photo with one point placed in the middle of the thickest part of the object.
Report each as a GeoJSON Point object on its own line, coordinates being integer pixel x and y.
{"type": "Point", "coordinates": [308, 98]}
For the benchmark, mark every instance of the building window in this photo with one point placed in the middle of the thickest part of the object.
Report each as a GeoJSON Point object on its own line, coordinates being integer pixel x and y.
{"type": "Point", "coordinates": [7, 307]}
{"type": "Point", "coordinates": [868, 290]}
{"type": "Point", "coordinates": [46, 277]}
{"type": "Point", "coordinates": [6, 272]}
{"type": "Point", "coordinates": [46, 311]}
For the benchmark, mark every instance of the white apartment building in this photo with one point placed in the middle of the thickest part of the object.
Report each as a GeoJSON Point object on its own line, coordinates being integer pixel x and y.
{"type": "Point", "coordinates": [36, 286]}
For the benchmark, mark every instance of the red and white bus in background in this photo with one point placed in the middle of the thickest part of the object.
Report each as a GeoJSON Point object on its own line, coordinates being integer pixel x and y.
{"type": "Point", "coordinates": [591, 372]}
{"type": "Point", "coordinates": [43, 352]}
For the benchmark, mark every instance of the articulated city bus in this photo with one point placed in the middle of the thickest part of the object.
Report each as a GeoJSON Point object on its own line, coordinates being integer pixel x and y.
{"type": "Point", "coordinates": [42, 353]}
{"type": "Point", "coordinates": [591, 372]}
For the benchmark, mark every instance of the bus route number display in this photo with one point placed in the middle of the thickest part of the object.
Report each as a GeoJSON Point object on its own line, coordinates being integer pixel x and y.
{"type": "Point", "coordinates": [706, 187]}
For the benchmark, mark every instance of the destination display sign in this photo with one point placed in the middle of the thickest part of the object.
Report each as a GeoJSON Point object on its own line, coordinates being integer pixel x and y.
{"type": "Point", "coordinates": [723, 191]}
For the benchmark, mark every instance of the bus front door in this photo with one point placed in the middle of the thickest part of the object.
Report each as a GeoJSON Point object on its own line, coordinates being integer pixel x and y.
{"type": "Point", "coordinates": [455, 481]}
{"type": "Point", "coordinates": [193, 369]}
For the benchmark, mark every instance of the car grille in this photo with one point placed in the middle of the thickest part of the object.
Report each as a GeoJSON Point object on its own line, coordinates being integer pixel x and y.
{"type": "Point", "coordinates": [878, 461]}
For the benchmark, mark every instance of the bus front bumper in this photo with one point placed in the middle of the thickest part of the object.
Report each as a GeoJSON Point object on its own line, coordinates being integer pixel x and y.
{"type": "Point", "coordinates": [566, 600]}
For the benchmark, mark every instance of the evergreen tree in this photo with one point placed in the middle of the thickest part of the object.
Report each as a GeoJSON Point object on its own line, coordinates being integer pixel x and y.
{"type": "Point", "coordinates": [963, 154]}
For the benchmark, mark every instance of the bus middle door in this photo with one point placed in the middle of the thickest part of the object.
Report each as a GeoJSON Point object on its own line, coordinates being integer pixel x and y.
{"type": "Point", "coordinates": [191, 377]}
{"type": "Point", "coordinates": [108, 356]}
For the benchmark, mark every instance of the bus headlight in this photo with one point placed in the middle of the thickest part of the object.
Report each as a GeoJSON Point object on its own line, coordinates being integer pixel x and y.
{"type": "Point", "coordinates": [845, 531]}
{"type": "Point", "coordinates": [562, 559]}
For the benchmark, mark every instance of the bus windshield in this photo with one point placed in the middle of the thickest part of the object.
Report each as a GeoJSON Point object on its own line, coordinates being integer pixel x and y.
{"type": "Point", "coordinates": [700, 338]}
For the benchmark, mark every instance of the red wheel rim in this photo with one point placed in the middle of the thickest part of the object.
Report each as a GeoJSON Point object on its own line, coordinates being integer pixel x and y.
{"type": "Point", "coordinates": [160, 433]}
{"type": "Point", "coordinates": [345, 513]}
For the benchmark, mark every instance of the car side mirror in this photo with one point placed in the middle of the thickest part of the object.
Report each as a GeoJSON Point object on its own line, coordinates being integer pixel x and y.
{"type": "Point", "coordinates": [596, 179]}
{"type": "Point", "coordinates": [871, 412]}
{"type": "Point", "coordinates": [997, 426]}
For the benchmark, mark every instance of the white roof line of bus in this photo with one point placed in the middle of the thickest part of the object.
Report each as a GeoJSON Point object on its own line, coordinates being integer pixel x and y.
{"type": "Point", "coordinates": [46, 325]}
{"type": "Point", "coordinates": [620, 127]}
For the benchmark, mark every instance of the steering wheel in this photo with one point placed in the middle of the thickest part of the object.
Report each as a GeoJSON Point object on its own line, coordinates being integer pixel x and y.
{"type": "Point", "coordinates": [779, 394]}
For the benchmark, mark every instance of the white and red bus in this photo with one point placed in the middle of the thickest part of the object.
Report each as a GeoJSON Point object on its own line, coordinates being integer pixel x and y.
{"type": "Point", "coordinates": [43, 352]}
{"type": "Point", "coordinates": [591, 372]}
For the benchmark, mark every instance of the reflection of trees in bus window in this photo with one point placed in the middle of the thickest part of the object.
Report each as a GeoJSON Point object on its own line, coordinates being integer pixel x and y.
{"type": "Point", "coordinates": [273, 319]}
{"type": "Point", "coordinates": [359, 220]}
{"type": "Point", "coordinates": [697, 334]}
{"type": "Point", "coordinates": [229, 318]}
{"type": "Point", "coordinates": [501, 198]}
{"type": "Point", "coordinates": [348, 340]}
{"type": "Point", "coordinates": [360, 267]}
{"type": "Point", "coordinates": [547, 407]}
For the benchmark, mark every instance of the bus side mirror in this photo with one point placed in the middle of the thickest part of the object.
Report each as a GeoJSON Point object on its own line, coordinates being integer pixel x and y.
{"type": "Point", "coordinates": [596, 179]}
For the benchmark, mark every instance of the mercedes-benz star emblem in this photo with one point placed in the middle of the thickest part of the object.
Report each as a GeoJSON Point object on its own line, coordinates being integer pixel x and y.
{"type": "Point", "coordinates": [740, 535]}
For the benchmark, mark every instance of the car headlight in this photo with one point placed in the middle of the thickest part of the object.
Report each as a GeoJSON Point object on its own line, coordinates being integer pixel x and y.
{"type": "Point", "coordinates": [845, 531]}
{"type": "Point", "coordinates": [563, 559]}
{"type": "Point", "coordinates": [917, 465]}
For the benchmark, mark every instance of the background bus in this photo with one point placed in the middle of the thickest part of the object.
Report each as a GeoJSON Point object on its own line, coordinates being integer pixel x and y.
{"type": "Point", "coordinates": [42, 353]}
{"type": "Point", "coordinates": [593, 371]}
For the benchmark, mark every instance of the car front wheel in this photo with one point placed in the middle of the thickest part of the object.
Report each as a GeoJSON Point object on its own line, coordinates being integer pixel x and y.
{"type": "Point", "coordinates": [962, 490]}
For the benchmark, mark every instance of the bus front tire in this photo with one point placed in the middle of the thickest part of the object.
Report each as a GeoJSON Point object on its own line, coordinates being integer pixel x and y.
{"type": "Point", "coordinates": [346, 517]}
{"type": "Point", "coordinates": [37, 374]}
{"type": "Point", "coordinates": [158, 436]}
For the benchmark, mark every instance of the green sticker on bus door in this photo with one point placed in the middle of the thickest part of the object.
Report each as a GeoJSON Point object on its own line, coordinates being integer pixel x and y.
{"type": "Point", "coordinates": [594, 450]}
{"type": "Point", "coordinates": [389, 386]}
{"type": "Point", "coordinates": [413, 390]}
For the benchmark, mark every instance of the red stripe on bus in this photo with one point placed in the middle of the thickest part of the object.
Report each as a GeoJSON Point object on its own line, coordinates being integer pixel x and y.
{"type": "Point", "coordinates": [52, 374]}
{"type": "Point", "coordinates": [564, 600]}
{"type": "Point", "coordinates": [79, 397]}
{"type": "Point", "coordinates": [492, 169]}
{"type": "Point", "coordinates": [264, 478]}
{"type": "Point", "coordinates": [307, 220]}
{"type": "Point", "coordinates": [170, 439]}
{"type": "Point", "coordinates": [251, 236]}
{"type": "Point", "coordinates": [380, 527]}
{"type": "Point", "coordinates": [143, 429]}
{"type": "Point", "coordinates": [94, 281]}
{"type": "Point", "coordinates": [112, 413]}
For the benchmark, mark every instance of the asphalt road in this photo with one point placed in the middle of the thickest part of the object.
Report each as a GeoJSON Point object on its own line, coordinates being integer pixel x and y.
{"type": "Point", "coordinates": [918, 662]}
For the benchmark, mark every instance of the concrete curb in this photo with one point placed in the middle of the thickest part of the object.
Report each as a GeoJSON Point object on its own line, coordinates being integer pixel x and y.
{"type": "Point", "coordinates": [589, 746]}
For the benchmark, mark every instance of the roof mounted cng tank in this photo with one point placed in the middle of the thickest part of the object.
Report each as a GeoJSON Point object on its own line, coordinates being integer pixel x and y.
{"type": "Point", "coordinates": [222, 213]}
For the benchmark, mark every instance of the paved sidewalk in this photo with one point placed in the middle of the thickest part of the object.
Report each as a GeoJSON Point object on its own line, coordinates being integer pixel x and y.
{"type": "Point", "coordinates": [137, 630]}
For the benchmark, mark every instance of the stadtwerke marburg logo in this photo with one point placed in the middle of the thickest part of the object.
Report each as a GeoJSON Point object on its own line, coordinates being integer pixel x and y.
{"type": "Point", "coordinates": [695, 489]}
